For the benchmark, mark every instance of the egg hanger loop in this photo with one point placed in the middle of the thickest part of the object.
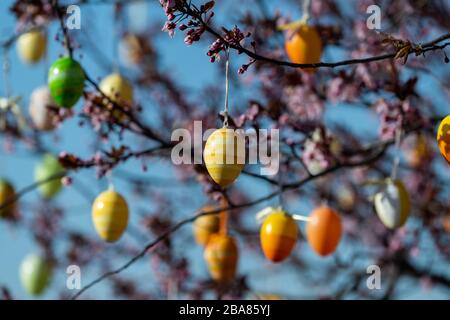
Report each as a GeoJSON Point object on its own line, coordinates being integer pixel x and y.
{"type": "Point", "coordinates": [223, 227]}
{"type": "Point", "coordinates": [224, 113]}
{"type": "Point", "coordinates": [6, 69]}
{"type": "Point", "coordinates": [306, 11]}
{"type": "Point", "coordinates": [280, 185]}
{"type": "Point", "coordinates": [299, 217]}
{"type": "Point", "coordinates": [398, 140]}
{"type": "Point", "coordinates": [110, 181]}
{"type": "Point", "coordinates": [46, 64]}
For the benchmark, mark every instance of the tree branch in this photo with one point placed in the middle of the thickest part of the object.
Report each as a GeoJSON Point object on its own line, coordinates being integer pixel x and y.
{"type": "Point", "coordinates": [379, 150]}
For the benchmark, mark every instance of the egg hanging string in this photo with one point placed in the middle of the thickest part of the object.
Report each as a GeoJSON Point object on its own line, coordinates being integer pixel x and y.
{"type": "Point", "coordinates": [398, 139]}
{"type": "Point", "coordinates": [6, 69]}
{"type": "Point", "coordinates": [115, 41]}
{"type": "Point", "coordinates": [9, 103]}
{"type": "Point", "coordinates": [225, 113]}
{"type": "Point", "coordinates": [110, 181]}
{"type": "Point", "coordinates": [223, 227]}
{"type": "Point", "coordinates": [67, 43]}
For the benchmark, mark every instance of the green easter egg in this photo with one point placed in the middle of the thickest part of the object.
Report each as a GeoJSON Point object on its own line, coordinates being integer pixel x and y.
{"type": "Point", "coordinates": [35, 274]}
{"type": "Point", "coordinates": [48, 167]}
{"type": "Point", "coordinates": [66, 81]}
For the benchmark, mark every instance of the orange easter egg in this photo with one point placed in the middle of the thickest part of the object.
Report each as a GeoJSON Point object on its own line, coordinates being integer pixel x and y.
{"type": "Point", "coordinates": [446, 223]}
{"type": "Point", "coordinates": [205, 226]}
{"type": "Point", "coordinates": [443, 138]}
{"type": "Point", "coordinates": [324, 230]}
{"type": "Point", "coordinates": [304, 46]}
{"type": "Point", "coordinates": [278, 236]}
{"type": "Point", "coordinates": [221, 255]}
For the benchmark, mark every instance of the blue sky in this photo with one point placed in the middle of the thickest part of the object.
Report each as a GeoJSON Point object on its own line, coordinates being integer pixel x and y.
{"type": "Point", "coordinates": [16, 243]}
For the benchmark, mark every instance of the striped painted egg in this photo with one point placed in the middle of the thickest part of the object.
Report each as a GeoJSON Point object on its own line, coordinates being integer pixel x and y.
{"type": "Point", "coordinates": [443, 138]}
{"type": "Point", "coordinates": [40, 102]}
{"type": "Point", "coordinates": [110, 215]}
{"type": "Point", "coordinates": [205, 226]}
{"type": "Point", "coordinates": [324, 230]}
{"type": "Point", "coordinates": [66, 81]}
{"type": "Point", "coordinates": [6, 194]}
{"type": "Point", "coordinates": [48, 167]}
{"type": "Point", "coordinates": [35, 274]}
{"type": "Point", "coordinates": [118, 89]}
{"type": "Point", "coordinates": [221, 255]}
{"type": "Point", "coordinates": [31, 46]}
{"type": "Point", "coordinates": [224, 156]}
{"type": "Point", "coordinates": [392, 204]}
{"type": "Point", "coordinates": [278, 235]}
{"type": "Point", "coordinates": [304, 46]}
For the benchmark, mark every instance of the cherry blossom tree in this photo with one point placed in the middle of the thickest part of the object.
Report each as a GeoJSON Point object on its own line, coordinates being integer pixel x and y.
{"type": "Point", "coordinates": [368, 111]}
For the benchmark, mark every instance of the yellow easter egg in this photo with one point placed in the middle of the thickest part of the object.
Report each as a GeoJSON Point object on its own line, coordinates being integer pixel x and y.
{"type": "Point", "coordinates": [31, 46]}
{"type": "Point", "coordinates": [110, 215]}
{"type": "Point", "coordinates": [118, 89]}
{"type": "Point", "coordinates": [205, 226]}
{"type": "Point", "coordinates": [392, 204]}
{"type": "Point", "coordinates": [224, 156]}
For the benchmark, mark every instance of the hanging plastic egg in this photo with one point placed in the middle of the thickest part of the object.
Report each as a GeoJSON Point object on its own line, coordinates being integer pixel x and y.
{"type": "Point", "coordinates": [205, 226]}
{"type": "Point", "coordinates": [48, 167]}
{"type": "Point", "coordinates": [66, 81]}
{"type": "Point", "coordinates": [392, 204]}
{"type": "Point", "coordinates": [110, 215]}
{"type": "Point", "coordinates": [221, 255]}
{"type": "Point", "coordinates": [35, 274]}
{"type": "Point", "coordinates": [278, 235]}
{"type": "Point", "coordinates": [6, 194]}
{"type": "Point", "coordinates": [40, 103]}
{"type": "Point", "coordinates": [304, 46]}
{"type": "Point", "coordinates": [32, 46]}
{"type": "Point", "coordinates": [224, 156]}
{"type": "Point", "coordinates": [443, 138]}
{"type": "Point", "coordinates": [446, 223]}
{"type": "Point", "coordinates": [346, 198]}
{"type": "Point", "coordinates": [420, 151]}
{"type": "Point", "coordinates": [324, 230]}
{"type": "Point", "coordinates": [117, 88]}
{"type": "Point", "coordinates": [133, 50]}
